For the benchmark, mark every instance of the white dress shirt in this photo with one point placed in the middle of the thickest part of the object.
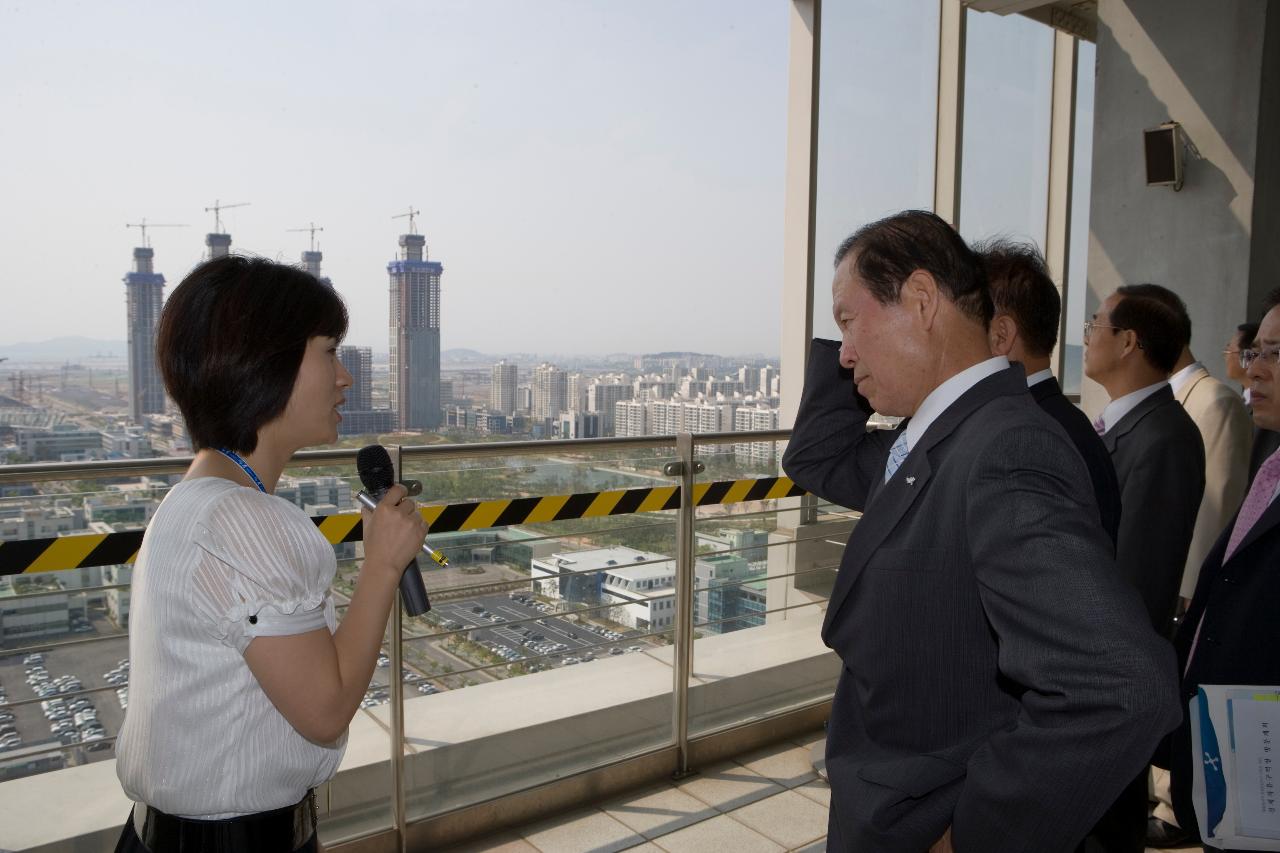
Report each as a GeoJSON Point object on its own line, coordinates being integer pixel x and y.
{"type": "Point", "coordinates": [1039, 376]}
{"type": "Point", "coordinates": [941, 398]}
{"type": "Point", "coordinates": [1183, 376]}
{"type": "Point", "coordinates": [1121, 406]}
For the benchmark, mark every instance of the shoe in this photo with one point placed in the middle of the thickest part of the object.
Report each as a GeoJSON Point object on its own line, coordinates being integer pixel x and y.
{"type": "Point", "coordinates": [1164, 835]}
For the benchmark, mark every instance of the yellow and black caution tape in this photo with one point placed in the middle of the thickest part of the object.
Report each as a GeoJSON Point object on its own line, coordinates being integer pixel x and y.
{"type": "Point", "coordinates": [28, 556]}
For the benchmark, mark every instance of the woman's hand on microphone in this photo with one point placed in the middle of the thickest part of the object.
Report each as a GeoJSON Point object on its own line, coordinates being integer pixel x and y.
{"type": "Point", "coordinates": [394, 532]}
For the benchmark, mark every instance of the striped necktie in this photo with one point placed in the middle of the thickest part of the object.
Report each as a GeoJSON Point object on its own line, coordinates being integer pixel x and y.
{"type": "Point", "coordinates": [897, 453]}
{"type": "Point", "coordinates": [1100, 426]}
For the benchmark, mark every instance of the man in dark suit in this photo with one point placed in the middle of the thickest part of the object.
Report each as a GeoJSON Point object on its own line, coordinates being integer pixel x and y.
{"type": "Point", "coordinates": [1000, 684]}
{"type": "Point", "coordinates": [1025, 329]}
{"type": "Point", "coordinates": [1131, 344]}
{"type": "Point", "coordinates": [1231, 629]}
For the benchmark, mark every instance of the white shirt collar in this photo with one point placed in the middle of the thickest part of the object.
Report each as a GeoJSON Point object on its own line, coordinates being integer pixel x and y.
{"type": "Point", "coordinates": [941, 398]}
{"type": "Point", "coordinates": [1121, 406]}
{"type": "Point", "coordinates": [1183, 376]}
{"type": "Point", "coordinates": [1039, 376]}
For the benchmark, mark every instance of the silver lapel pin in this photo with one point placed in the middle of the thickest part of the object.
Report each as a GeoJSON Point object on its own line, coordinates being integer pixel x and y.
{"type": "Point", "coordinates": [911, 481]}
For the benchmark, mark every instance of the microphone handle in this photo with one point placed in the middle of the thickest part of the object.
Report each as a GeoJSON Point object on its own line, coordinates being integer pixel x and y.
{"type": "Point", "coordinates": [413, 593]}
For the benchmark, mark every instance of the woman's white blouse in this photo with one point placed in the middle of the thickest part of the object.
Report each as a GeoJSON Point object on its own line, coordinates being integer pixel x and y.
{"type": "Point", "coordinates": [220, 564]}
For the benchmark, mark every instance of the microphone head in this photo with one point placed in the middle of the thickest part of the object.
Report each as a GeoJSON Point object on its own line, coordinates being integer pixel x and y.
{"type": "Point", "coordinates": [376, 471]}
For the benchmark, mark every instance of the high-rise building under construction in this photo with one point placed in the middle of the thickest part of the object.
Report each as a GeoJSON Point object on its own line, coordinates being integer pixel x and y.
{"type": "Point", "coordinates": [144, 294]}
{"type": "Point", "coordinates": [415, 336]}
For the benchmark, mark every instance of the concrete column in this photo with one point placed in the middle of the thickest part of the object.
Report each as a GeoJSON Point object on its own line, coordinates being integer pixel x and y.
{"type": "Point", "coordinates": [799, 205]}
{"type": "Point", "coordinates": [950, 138]}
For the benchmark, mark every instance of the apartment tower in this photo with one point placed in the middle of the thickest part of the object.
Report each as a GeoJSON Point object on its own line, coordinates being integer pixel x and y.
{"type": "Point", "coordinates": [502, 388]}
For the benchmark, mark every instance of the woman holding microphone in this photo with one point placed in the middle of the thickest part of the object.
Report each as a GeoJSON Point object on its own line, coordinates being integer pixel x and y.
{"type": "Point", "coordinates": [242, 682]}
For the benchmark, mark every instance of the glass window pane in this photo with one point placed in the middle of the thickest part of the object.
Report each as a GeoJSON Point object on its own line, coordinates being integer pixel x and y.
{"type": "Point", "coordinates": [1007, 103]}
{"type": "Point", "coordinates": [876, 136]}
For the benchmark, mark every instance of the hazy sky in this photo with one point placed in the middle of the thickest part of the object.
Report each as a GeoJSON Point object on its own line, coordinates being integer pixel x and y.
{"type": "Point", "coordinates": [594, 176]}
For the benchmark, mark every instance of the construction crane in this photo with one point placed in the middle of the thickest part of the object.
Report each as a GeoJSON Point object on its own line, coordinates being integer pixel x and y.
{"type": "Point", "coordinates": [217, 209]}
{"type": "Point", "coordinates": [411, 214]}
{"type": "Point", "coordinates": [144, 225]}
{"type": "Point", "coordinates": [313, 228]}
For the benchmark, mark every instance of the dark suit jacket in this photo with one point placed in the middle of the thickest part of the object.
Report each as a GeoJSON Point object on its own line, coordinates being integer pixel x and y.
{"type": "Point", "coordinates": [1102, 474]}
{"type": "Point", "coordinates": [1265, 442]}
{"type": "Point", "coordinates": [1240, 602]}
{"type": "Point", "coordinates": [1159, 459]}
{"type": "Point", "coordinates": [998, 676]}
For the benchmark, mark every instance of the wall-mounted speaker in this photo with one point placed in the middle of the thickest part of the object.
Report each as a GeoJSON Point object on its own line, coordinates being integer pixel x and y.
{"type": "Point", "coordinates": [1162, 147]}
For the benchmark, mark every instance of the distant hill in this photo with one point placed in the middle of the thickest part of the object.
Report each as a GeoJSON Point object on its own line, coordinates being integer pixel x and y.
{"type": "Point", "coordinates": [461, 355]}
{"type": "Point", "coordinates": [64, 349]}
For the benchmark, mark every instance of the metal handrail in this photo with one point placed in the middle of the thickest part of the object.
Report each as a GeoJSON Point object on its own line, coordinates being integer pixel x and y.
{"type": "Point", "coordinates": [34, 472]}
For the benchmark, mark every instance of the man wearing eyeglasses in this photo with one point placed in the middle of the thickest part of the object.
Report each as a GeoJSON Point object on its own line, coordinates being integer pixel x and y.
{"type": "Point", "coordinates": [1000, 684]}
{"type": "Point", "coordinates": [1226, 430]}
{"type": "Point", "coordinates": [1231, 633]}
{"type": "Point", "coordinates": [1131, 346]}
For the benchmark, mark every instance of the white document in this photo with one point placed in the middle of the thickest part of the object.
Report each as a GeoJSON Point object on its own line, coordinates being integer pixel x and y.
{"type": "Point", "coordinates": [1236, 788]}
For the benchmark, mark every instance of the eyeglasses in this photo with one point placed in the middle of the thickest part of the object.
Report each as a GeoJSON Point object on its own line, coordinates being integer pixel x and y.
{"type": "Point", "coordinates": [1090, 325]}
{"type": "Point", "coordinates": [1270, 356]}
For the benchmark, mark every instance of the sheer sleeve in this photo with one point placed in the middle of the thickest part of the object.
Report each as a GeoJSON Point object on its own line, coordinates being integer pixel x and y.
{"type": "Point", "coordinates": [264, 572]}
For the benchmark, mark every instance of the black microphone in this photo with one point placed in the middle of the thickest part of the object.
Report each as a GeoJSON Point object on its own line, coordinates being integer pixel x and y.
{"type": "Point", "coordinates": [378, 475]}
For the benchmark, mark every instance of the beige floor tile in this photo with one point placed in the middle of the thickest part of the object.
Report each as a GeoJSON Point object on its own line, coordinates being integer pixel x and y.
{"type": "Point", "coordinates": [784, 763]}
{"type": "Point", "coordinates": [647, 847]}
{"type": "Point", "coordinates": [658, 810]}
{"type": "Point", "coordinates": [819, 846]}
{"type": "Point", "coordinates": [787, 818]}
{"type": "Point", "coordinates": [584, 831]}
{"type": "Point", "coordinates": [728, 786]}
{"type": "Point", "coordinates": [808, 741]}
{"type": "Point", "coordinates": [502, 842]}
{"type": "Point", "coordinates": [717, 834]}
{"type": "Point", "coordinates": [817, 790]}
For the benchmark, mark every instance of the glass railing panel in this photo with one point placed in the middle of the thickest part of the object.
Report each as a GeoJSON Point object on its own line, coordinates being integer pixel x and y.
{"type": "Point", "coordinates": [761, 583]}
{"type": "Point", "coordinates": [548, 647]}
{"type": "Point", "coordinates": [63, 634]}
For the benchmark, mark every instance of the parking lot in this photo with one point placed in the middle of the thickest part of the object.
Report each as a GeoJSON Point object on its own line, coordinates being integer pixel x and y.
{"type": "Point", "coordinates": [552, 640]}
{"type": "Point", "coordinates": [88, 664]}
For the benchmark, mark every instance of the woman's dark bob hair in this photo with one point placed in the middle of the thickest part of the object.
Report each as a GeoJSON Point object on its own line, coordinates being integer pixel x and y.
{"type": "Point", "coordinates": [231, 339]}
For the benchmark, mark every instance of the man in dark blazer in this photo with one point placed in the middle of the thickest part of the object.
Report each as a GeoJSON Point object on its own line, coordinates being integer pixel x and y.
{"type": "Point", "coordinates": [1131, 344]}
{"type": "Point", "coordinates": [1025, 329]}
{"type": "Point", "coordinates": [1232, 628]}
{"type": "Point", "coordinates": [1000, 683]}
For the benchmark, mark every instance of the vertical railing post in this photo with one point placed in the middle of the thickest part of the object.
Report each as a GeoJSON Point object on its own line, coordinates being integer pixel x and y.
{"type": "Point", "coordinates": [682, 661]}
{"type": "Point", "coordinates": [397, 698]}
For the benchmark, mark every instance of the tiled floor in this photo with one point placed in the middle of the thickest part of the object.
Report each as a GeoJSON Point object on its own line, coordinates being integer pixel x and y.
{"type": "Point", "coordinates": [769, 800]}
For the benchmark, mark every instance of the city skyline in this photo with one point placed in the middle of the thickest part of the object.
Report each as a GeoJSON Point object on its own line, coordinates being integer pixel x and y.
{"type": "Point", "coordinates": [629, 156]}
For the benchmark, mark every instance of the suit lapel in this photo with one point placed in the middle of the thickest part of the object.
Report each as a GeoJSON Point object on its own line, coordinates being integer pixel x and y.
{"type": "Point", "coordinates": [1131, 420]}
{"type": "Point", "coordinates": [1270, 518]}
{"type": "Point", "coordinates": [883, 512]}
{"type": "Point", "coordinates": [891, 501]}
